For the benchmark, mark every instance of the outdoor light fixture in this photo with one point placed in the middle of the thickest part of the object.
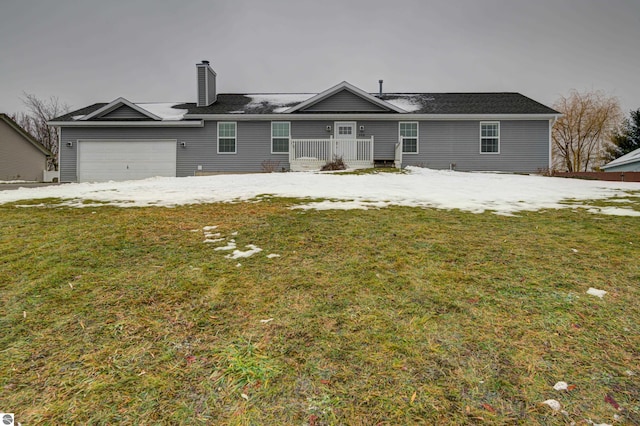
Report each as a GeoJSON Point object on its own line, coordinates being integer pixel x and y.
{"type": "Point", "coordinates": [69, 144]}
{"type": "Point", "coordinates": [183, 144]}
{"type": "Point", "coordinates": [328, 128]}
{"type": "Point", "coordinates": [362, 128]}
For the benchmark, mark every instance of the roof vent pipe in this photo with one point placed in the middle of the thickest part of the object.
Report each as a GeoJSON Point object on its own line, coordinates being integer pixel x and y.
{"type": "Point", "coordinates": [380, 82]}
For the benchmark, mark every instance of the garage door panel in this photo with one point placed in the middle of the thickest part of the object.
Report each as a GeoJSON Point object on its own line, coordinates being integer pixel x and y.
{"type": "Point", "coordinates": [103, 160]}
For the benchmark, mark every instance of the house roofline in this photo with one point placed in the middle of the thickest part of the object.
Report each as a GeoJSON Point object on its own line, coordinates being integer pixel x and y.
{"type": "Point", "coordinates": [115, 104]}
{"type": "Point", "coordinates": [616, 163]}
{"type": "Point", "coordinates": [172, 123]}
{"type": "Point", "coordinates": [369, 117]}
{"type": "Point", "coordinates": [15, 126]}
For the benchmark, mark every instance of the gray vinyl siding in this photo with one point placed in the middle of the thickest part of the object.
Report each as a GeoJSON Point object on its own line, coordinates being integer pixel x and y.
{"type": "Point", "coordinates": [211, 94]}
{"type": "Point", "coordinates": [19, 159]}
{"type": "Point", "coordinates": [311, 129]}
{"type": "Point", "coordinates": [385, 137]}
{"type": "Point", "coordinates": [202, 86]}
{"type": "Point", "coordinates": [524, 146]}
{"type": "Point", "coordinates": [344, 101]}
{"type": "Point", "coordinates": [253, 146]}
{"type": "Point", "coordinates": [124, 113]}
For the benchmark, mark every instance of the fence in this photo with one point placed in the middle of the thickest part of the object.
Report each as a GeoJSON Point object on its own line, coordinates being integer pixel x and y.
{"type": "Point", "coordinates": [608, 176]}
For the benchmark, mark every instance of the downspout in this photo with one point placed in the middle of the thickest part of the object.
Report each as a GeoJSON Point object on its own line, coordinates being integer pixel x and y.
{"type": "Point", "coordinates": [59, 162]}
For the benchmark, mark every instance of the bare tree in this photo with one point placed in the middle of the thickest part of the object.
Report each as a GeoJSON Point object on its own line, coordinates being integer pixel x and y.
{"type": "Point", "coordinates": [582, 135]}
{"type": "Point", "coordinates": [35, 122]}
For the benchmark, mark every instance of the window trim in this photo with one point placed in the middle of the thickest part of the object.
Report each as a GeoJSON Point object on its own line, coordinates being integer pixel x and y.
{"type": "Point", "coordinates": [289, 137]}
{"type": "Point", "coordinates": [235, 138]}
{"type": "Point", "coordinates": [417, 138]}
{"type": "Point", "coordinates": [486, 137]}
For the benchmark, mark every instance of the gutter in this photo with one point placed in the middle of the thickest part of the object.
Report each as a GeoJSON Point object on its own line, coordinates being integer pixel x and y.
{"type": "Point", "coordinates": [176, 123]}
{"type": "Point", "coordinates": [552, 123]}
{"type": "Point", "coordinates": [369, 117]}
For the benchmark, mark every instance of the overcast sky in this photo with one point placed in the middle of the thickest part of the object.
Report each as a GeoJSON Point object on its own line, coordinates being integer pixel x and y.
{"type": "Point", "coordinates": [86, 51]}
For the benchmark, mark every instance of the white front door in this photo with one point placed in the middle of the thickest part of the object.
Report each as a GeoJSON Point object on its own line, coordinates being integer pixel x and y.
{"type": "Point", "coordinates": [345, 130]}
{"type": "Point", "coordinates": [345, 135]}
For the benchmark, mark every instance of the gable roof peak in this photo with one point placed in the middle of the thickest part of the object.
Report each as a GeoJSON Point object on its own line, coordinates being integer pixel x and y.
{"type": "Point", "coordinates": [344, 85]}
{"type": "Point", "coordinates": [115, 104]}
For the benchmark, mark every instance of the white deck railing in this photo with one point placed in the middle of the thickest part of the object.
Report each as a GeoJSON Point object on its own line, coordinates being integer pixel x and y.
{"type": "Point", "coordinates": [310, 154]}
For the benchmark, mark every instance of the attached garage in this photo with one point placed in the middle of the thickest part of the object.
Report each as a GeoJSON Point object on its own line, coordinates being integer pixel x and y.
{"type": "Point", "coordinates": [125, 159]}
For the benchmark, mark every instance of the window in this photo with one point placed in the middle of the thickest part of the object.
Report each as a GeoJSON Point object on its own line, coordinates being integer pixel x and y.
{"type": "Point", "coordinates": [280, 134]}
{"type": "Point", "coordinates": [226, 138]}
{"type": "Point", "coordinates": [345, 130]}
{"type": "Point", "coordinates": [409, 137]}
{"type": "Point", "coordinates": [490, 137]}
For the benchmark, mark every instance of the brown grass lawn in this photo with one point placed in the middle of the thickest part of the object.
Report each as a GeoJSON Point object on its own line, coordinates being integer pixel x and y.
{"type": "Point", "coordinates": [379, 317]}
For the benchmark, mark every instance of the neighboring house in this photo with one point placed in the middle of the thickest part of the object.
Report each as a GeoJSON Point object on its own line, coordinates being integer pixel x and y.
{"type": "Point", "coordinates": [263, 132]}
{"type": "Point", "coordinates": [21, 156]}
{"type": "Point", "coordinates": [629, 162]}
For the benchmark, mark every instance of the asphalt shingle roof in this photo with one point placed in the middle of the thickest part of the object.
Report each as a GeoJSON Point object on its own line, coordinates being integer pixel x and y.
{"type": "Point", "coordinates": [422, 103]}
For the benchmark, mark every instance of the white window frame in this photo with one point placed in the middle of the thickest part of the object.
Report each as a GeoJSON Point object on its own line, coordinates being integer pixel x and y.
{"type": "Point", "coordinates": [235, 131]}
{"type": "Point", "coordinates": [487, 137]}
{"type": "Point", "coordinates": [402, 138]}
{"type": "Point", "coordinates": [288, 137]}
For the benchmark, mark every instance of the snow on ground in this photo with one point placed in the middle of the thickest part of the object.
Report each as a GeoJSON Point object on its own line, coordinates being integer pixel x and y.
{"type": "Point", "coordinates": [474, 192]}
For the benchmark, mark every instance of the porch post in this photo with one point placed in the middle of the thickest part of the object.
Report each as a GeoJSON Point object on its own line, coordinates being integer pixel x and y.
{"type": "Point", "coordinates": [331, 148]}
{"type": "Point", "coordinates": [372, 149]}
{"type": "Point", "coordinates": [398, 159]}
{"type": "Point", "coordinates": [292, 149]}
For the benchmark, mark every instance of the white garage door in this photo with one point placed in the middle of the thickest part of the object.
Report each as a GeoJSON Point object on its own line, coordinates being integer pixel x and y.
{"type": "Point", "coordinates": [120, 159]}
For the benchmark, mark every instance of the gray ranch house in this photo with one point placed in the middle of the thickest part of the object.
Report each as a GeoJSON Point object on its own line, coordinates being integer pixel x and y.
{"type": "Point", "coordinates": [219, 132]}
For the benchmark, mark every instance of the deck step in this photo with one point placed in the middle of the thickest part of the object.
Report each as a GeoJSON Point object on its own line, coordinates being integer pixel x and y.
{"type": "Point", "coordinates": [383, 163]}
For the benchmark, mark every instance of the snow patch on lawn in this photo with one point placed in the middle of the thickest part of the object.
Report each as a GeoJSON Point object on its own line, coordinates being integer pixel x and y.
{"type": "Point", "coordinates": [561, 386]}
{"type": "Point", "coordinates": [248, 253]}
{"type": "Point", "coordinates": [555, 405]}
{"type": "Point", "coordinates": [231, 245]}
{"type": "Point", "coordinates": [595, 292]}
